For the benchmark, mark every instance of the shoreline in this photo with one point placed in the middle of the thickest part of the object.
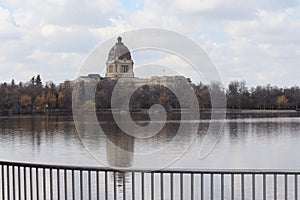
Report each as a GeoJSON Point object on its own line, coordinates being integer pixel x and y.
{"type": "Point", "coordinates": [146, 111]}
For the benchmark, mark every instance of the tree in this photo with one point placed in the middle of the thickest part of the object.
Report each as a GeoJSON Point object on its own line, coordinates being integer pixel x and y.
{"type": "Point", "coordinates": [40, 101]}
{"type": "Point", "coordinates": [32, 80]}
{"type": "Point", "coordinates": [233, 95]}
{"type": "Point", "coordinates": [38, 80]}
{"type": "Point", "coordinates": [25, 101]}
{"type": "Point", "coordinates": [281, 101]}
{"type": "Point", "coordinates": [51, 100]}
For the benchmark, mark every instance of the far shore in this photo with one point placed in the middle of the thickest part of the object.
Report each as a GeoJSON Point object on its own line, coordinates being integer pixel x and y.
{"type": "Point", "coordinates": [146, 111]}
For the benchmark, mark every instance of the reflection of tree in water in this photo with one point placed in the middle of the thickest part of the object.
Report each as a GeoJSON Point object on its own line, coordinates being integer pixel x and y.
{"type": "Point", "coordinates": [33, 129]}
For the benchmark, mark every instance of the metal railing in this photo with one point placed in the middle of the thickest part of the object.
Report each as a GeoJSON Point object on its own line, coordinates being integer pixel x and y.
{"type": "Point", "coordinates": [41, 181]}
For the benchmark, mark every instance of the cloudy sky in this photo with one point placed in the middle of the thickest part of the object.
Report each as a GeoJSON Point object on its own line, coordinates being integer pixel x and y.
{"type": "Point", "coordinates": [257, 41]}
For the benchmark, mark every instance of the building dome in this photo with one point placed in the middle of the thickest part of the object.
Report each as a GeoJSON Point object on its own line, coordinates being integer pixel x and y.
{"type": "Point", "coordinates": [119, 51]}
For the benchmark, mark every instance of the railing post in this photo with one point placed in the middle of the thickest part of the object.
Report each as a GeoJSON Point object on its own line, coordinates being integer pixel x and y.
{"type": "Point", "coordinates": [222, 186]}
{"type": "Point", "coordinates": [143, 186]}
{"type": "Point", "coordinates": [66, 183]}
{"type": "Point", "coordinates": [124, 185]}
{"type": "Point", "coordinates": [243, 186]}
{"type": "Point", "coordinates": [133, 185]}
{"type": "Point", "coordinates": [253, 186]}
{"type": "Point", "coordinates": [162, 185]}
{"type": "Point", "coordinates": [115, 185]}
{"type": "Point", "coordinates": [13, 182]}
{"type": "Point", "coordinates": [264, 187]}
{"type": "Point", "coordinates": [73, 184]}
{"type": "Point", "coordinates": [97, 185]}
{"type": "Point", "coordinates": [44, 183]}
{"type": "Point", "coordinates": [286, 186]}
{"type": "Point", "coordinates": [192, 186]}
{"type": "Point", "coordinates": [58, 183]}
{"type": "Point", "coordinates": [30, 183]}
{"type": "Point", "coordinates": [296, 187]}
{"type": "Point", "coordinates": [232, 186]}
{"type": "Point", "coordinates": [275, 186]}
{"type": "Point", "coordinates": [8, 182]}
{"type": "Point", "coordinates": [105, 185]}
{"type": "Point", "coordinates": [181, 186]}
{"type": "Point", "coordinates": [212, 186]}
{"type": "Point", "coordinates": [89, 184]}
{"type": "Point", "coordinates": [152, 186]}
{"type": "Point", "coordinates": [37, 183]}
{"type": "Point", "coordinates": [19, 181]}
{"type": "Point", "coordinates": [202, 187]}
{"type": "Point", "coordinates": [171, 185]}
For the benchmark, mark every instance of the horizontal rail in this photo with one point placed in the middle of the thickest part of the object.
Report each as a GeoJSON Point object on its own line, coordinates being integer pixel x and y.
{"type": "Point", "coordinates": [169, 170]}
{"type": "Point", "coordinates": [20, 180]}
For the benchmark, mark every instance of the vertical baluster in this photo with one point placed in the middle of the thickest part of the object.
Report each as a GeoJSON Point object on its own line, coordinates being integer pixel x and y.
{"type": "Point", "coordinates": [222, 186]}
{"type": "Point", "coordinates": [232, 186]}
{"type": "Point", "coordinates": [81, 185]}
{"type": "Point", "coordinates": [8, 182]}
{"type": "Point", "coordinates": [13, 183]}
{"type": "Point", "coordinates": [66, 183]}
{"type": "Point", "coordinates": [243, 186]}
{"type": "Point", "coordinates": [211, 186]}
{"type": "Point", "coordinates": [30, 183]}
{"type": "Point", "coordinates": [19, 181]}
{"type": "Point", "coordinates": [51, 184]}
{"type": "Point", "coordinates": [162, 185]}
{"type": "Point", "coordinates": [286, 186]}
{"type": "Point", "coordinates": [73, 184]}
{"type": "Point", "coordinates": [44, 183]}
{"type": "Point", "coordinates": [171, 185]}
{"type": "Point", "coordinates": [105, 185]}
{"type": "Point", "coordinates": [25, 183]}
{"type": "Point", "coordinates": [152, 186]}
{"type": "Point", "coordinates": [90, 184]}
{"type": "Point", "coordinates": [98, 185]}
{"type": "Point", "coordinates": [181, 186]}
{"type": "Point", "coordinates": [296, 186]}
{"type": "Point", "coordinates": [37, 182]}
{"type": "Point", "coordinates": [253, 186]}
{"type": "Point", "coordinates": [264, 187]}
{"type": "Point", "coordinates": [275, 186]}
{"type": "Point", "coordinates": [143, 186]}
{"type": "Point", "coordinates": [115, 185]}
{"type": "Point", "coordinates": [124, 186]}
{"type": "Point", "coordinates": [192, 186]}
{"type": "Point", "coordinates": [202, 187]}
{"type": "Point", "coordinates": [58, 184]}
{"type": "Point", "coordinates": [2, 182]}
{"type": "Point", "coordinates": [133, 185]}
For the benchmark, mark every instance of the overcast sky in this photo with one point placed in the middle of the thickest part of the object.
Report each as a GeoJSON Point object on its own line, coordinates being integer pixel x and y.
{"type": "Point", "coordinates": [257, 41]}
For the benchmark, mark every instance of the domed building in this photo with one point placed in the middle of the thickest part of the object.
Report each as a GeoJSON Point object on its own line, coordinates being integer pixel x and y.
{"type": "Point", "coordinates": [119, 62]}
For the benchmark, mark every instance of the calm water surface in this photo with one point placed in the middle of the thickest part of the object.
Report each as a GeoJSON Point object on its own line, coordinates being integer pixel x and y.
{"type": "Point", "coordinates": [247, 142]}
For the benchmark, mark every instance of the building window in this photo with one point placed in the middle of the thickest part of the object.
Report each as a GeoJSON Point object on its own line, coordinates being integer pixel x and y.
{"type": "Point", "coordinates": [110, 69]}
{"type": "Point", "coordinates": [124, 68]}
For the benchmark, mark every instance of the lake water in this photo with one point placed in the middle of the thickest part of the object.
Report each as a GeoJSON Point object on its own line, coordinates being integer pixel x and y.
{"type": "Point", "coordinates": [246, 142]}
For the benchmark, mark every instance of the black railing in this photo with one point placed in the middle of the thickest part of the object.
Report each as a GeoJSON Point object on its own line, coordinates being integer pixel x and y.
{"type": "Point", "coordinates": [40, 181]}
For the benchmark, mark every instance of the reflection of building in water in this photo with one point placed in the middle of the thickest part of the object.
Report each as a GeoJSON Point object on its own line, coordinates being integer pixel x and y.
{"type": "Point", "coordinates": [120, 147]}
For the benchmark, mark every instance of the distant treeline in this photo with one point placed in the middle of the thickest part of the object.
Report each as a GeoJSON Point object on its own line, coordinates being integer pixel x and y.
{"type": "Point", "coordinates": [34, 96]}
